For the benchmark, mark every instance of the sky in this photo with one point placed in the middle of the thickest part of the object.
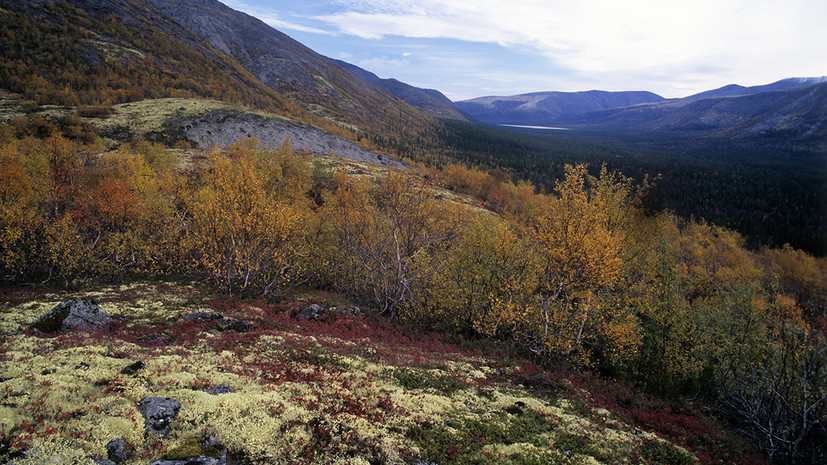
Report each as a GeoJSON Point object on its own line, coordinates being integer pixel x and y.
{"type": "Point", "coordinates": [474, 48]}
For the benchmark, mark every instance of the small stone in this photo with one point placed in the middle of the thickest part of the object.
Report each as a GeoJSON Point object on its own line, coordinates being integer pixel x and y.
{"type": "Point", "coordinates": [119, 451]}
{"type": "Point", "coordinates": [232, 324]}
{"type": "Point", "coordinates": [100, 461]}
{"type": "Point", "coordinates": [200, 460]}
{"type": "Point", "coordinates": [209, 316]}
{"type": "Point", "coordinates": [220, 389]}
{"type": "Point", "coordinates": [133, 369]}
{"type": "Point", "coordinates": [352, 311]}
{"type": "Point", "coordinates": [158, 413]}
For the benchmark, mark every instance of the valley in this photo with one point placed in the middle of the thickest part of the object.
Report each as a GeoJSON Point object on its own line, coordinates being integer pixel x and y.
{"type": "Point", "coordinates": [297, 261]}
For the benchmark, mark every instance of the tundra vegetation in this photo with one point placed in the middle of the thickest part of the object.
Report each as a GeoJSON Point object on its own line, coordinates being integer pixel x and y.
{"type": "Point", "coordinates": [562, 320]}
{"type": "Point", "coordinates": [580, 280]}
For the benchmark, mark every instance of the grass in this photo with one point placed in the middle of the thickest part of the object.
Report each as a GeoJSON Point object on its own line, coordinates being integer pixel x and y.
{"type": "Point", "coordinates": [357, 390]}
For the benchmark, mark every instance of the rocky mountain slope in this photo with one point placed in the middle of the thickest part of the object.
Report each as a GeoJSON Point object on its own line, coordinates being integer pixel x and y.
{"type": "Point", "coordinates": [284, 64]}
{"type": "Point", "coordinates": [91, 52]}
{"type": "Point", "coordinates": [544, 108]}
{"type": "Point", "coordinates": [220, 128]}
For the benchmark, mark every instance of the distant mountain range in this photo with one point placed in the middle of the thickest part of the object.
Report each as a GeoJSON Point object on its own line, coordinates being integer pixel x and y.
{"type": "Point", "coordinates": [795, 108]}
{"type": "Point", "coordinates": [545, 108]}
{"type": "Point", "coordinates": [797, 111]}
{"type": "Point", "coordinates": [209, 48]}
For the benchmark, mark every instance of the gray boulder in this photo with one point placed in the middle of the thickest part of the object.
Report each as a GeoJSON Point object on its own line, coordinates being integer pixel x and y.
{"type": "Point", "coordinates": [158, 413]}
{"type": "Point", "coordinates": [194, 451]}
{"type": "Point", "coordinates": [317, 312]}
{"type": "Point", "coordinates": [119, 451]}
{"type": "Point", "coordinates": [312, 312]}
{"type": "Point", "coordinates": [220, 389]}
{"type": "Point", "coordinates": [72, 314]}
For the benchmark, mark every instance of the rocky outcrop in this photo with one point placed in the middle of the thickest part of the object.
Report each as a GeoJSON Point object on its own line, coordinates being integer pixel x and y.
{"type": "Point", "coordinates": [71, 315]}
{"type": "Point", "coordinates": [289, 67]}
{"type": "Point", "coordinates": [222, 129]}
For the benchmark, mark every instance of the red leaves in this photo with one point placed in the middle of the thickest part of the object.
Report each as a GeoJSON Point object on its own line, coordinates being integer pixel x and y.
{"type": "Point", "coordinates": [113, 205]}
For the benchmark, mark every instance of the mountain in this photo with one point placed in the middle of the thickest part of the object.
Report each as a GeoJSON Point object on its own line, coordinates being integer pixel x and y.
{"type": "Point", "coordinates": [100, 53]}
{"type": "Point", "coordinates": [282, 63]}
{"type": "Point", "coordinates": [794, 108]}
{"type": "Point", "coordinates": [90, 52]}
{"type": "Point", "coordinates": [544, 108]}
{"type": "Point", "coordinates": [734, 90]}
{"type": "Point", "coordinates": [428, 101]}
{"type": "Point", "coordinates": [791, 108]}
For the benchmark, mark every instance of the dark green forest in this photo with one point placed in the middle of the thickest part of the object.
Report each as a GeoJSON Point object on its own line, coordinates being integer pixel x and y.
{"type": "Point", "coordinates": [771, 192]}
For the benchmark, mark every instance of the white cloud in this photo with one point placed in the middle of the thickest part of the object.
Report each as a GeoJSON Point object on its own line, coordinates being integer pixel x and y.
{"type": "Point", "coordinates": [698, 42]}
{"type": "Point", "coordinates": [382, 63]}
{"type": "Point", "coordinates": [272, 18]}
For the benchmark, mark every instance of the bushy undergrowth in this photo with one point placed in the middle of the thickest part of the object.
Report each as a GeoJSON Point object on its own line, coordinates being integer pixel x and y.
{"type": "Point", "coordinates": [584, 276]}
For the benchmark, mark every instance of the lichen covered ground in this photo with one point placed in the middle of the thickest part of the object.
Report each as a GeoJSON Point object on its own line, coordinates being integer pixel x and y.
{"type": "Point", "coordinates": [349, 390]}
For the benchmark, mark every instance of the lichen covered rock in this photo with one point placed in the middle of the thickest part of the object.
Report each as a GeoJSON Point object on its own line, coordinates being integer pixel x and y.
{"type": "Point", "coordinates": [72, 314]}
{"type": "Point", "coordinates": [158, 413]}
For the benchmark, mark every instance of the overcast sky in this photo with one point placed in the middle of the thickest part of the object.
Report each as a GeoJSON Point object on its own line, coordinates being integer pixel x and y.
{"type": "Point", "coordinates": [472, 48]}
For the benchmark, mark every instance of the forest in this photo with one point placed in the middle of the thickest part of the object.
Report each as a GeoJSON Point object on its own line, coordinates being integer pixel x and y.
{"type": "Point", "coordinates": [584, 276]}
{"type": "Point", "coordinates": [770, 191]}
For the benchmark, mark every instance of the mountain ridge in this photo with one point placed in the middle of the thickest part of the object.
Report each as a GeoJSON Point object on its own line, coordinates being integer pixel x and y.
{"type": "Point", "coordinates": [293, 69]}
{"type": "Point", "coordinates": [428, 101]}
{"type": "Point", "coordinates": [795, 108]}
{"type": "Point", "coordinates": [541, 108]}
{"type": "Point", "coordinates": [798, 112]}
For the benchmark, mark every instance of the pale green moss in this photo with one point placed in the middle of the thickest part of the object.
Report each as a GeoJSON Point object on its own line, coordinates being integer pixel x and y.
{"type": "Point", "coordinates": [9, 419]}
{"type": "Point", "coordinates": [265, 422]}
{"type": "Point", "coordinates": [47, 451]}
{"type": "Point", "coordinates": [14, 320]}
